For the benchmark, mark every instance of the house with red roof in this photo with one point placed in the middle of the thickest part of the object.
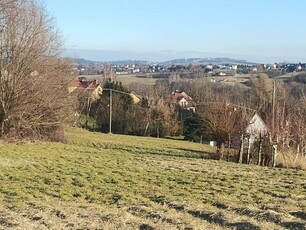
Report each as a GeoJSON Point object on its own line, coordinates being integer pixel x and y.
{"type": "Point", "coordinates": [183, 100]}
{"type": "Point", "coordinates": [93, 88]}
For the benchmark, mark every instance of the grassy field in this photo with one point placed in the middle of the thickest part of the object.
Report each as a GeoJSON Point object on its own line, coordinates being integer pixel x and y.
{"type": "Point", "coordinates": [132, 78]}
{"type": "Point", "coordinates": [127, 79]}
{"type": "Point", "coordinates": [102, 181]}
{"type": "Point", "coordinates": [287, 76]}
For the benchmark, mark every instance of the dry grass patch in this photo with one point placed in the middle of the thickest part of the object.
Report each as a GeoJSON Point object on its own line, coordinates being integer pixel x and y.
{"type": "Point", "coordinates": [102, 181]}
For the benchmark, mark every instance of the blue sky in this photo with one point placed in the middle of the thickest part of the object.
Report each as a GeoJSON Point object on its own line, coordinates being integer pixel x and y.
{"type": "Point", "coordinates": [257, 30]}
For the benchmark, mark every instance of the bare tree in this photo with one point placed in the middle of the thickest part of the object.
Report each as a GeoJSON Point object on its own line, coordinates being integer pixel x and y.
{"type": "Point", "coordinates": [163, 119]}
{"type": "Point", "coordinates": [33, 79]}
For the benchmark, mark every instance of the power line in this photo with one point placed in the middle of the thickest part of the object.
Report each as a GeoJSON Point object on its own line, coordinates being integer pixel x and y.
{"type": "Point", "coordinates": [227, 104]}
{"type": "Point", "coordinates": [111, 105]}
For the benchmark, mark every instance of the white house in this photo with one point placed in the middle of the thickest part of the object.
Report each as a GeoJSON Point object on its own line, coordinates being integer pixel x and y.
{"type": "Point", "coordinates": [234, 67]}
{"type": "Point", "coordinates": [209, 66]}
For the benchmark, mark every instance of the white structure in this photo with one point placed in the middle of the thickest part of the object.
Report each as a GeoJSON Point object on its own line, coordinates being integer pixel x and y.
{"type": "Point", "coordinates": [256, 128]}
{"type": "Point", "coordinates": [209, 66]}
{"type": "Point", "coordinates": [234, 67]}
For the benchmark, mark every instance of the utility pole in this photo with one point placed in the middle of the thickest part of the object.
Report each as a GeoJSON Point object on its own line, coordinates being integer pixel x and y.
{"type": "Point", "coordinates": [111, 105]}
{"type": "Point", "coordinates": [87, 111]}
{"type": "Point", "coordinates": [274, 139]}
{"type": "Point", "coordinates": [273, 110]}
{"type": "Point", "coordinates": [110, 109]}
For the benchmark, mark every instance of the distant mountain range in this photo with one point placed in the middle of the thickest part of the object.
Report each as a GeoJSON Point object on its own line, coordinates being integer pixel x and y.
{"type": "Point", "coordinates": [204, 61]}
{"type": "Point", "coordinates": [175, 57]}
{"type": "Point", "coordinates": [181, 61]}
{"type": "Point", "coordinates": [83, 61]}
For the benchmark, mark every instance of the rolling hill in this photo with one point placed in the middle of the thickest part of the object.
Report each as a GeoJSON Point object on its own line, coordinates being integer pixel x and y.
{"type": "Point", "coordinates": [107, 181]}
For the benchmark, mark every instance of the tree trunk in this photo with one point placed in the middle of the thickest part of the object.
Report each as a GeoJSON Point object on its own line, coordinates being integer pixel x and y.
{"type": "Point", "coordinates": [3, 118]}
{"type": "Point", "coordinates": [241, 150]}
{"type": "Point", "coordinates": [297, 152]}
{"type": "Point", "coordinates": [229, 142]}
{"type": "Point", "coordinates": [302, 148]}
{"type": "Point", "coordinates": [221, 150]}
{"type": "Point", "coordinates": [2, 128]}
{"type": "Point", "coordinates": [146, 129]}
{"type": "Point", "coordinates": [228, 146]}
{"type": "Point", "coordinates": [259, 150]}
{"type": "Point", "coordinates": [274, 154]}
{"type": "Point", "coordinates": [248, 151]}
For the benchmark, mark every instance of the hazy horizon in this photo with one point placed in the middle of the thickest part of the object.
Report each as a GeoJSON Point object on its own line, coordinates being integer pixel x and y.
{"type": "Point", "coordinates": [110, 55]}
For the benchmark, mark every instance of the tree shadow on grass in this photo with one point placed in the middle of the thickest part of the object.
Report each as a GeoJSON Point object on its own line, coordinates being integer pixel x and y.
{"type": "Point", "coordinates": [299, 214]}
{"type": "Point", "coordinates": [199, 154]}
{"type": "Point", "coordinates": [294, 225]}
{"type": "Point", "coordinates": [220, 219]}
{"type": "Point", "coordinates": [190, 153]}
{"type": "Point", "coordinates": [145, 227]}
{"type": "Point", "coordinates": [243, 226]}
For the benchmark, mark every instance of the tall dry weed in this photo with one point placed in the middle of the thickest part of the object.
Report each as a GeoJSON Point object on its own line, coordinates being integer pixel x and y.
{"type": "Point", "coordinates": [289, 159]}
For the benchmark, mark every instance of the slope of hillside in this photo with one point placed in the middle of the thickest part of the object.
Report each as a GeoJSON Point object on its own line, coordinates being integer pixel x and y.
{"type": "Point", "coordinates": [101, 181]}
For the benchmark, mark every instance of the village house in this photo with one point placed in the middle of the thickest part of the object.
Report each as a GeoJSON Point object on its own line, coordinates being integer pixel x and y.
{"type": "Point", "coordinates": [75, 84]}
{"type": "Point", "coordinates": [183, 100]}
{"type": "Point", "coordinates": [234, 67]}
{"type": "Point", "coordinates": [93, 88]}
{"type": "Point", "coordinates": [135, 97]}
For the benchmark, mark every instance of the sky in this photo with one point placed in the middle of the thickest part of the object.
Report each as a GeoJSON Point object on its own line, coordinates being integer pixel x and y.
{"type": "Point", "coordinates": [157, 30]}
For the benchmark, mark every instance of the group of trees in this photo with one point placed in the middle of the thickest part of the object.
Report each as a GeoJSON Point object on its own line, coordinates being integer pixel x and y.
{"type": "Point", "coordinates": [225, 111]}
{"type": "Point", "coordinates": [152, 116]}
{"type": "Point", "coordinates": [33, 79]}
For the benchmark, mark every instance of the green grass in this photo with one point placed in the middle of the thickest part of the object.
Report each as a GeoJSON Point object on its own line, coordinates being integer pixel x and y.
{"type": "Point", "coordinates": [102, 181]}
